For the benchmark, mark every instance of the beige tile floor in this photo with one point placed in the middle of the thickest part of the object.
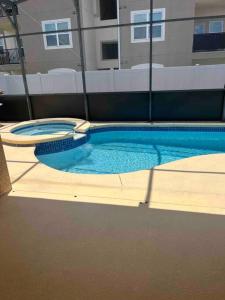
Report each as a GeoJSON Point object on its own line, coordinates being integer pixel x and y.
{"type": "Point", "coordinates": [195, 184]}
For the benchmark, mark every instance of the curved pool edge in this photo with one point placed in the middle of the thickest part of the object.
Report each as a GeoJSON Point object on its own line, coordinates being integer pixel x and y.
{"type": "Point", "coordinates": [8, 137]}
{"type": "Point", "coordinates": [95, 127]}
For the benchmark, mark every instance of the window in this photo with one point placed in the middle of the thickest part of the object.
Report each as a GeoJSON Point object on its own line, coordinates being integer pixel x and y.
{"type": "Point", "coordinates": [109, 50]}
{"type": "Point", "coordinates": [215, 26]}
{"type": "Point", "coordinates": [57, 40]}
{"type": "Point", "coordinates": [108, 9]}
{"type": "Point", "coordinates": [199, 28]}
{"type": "Point", "coordinates": [141, 33]}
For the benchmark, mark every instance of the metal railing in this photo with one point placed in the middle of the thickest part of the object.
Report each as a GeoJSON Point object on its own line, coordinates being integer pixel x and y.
{"type": "Point", "coordinates": [209, 42]}
{"type": "Point", "coordinates": [2, 13]}
{"type": "Point", "coordinates": [9, 56]}
{"type": "Point", "coordinates": [9, 12]}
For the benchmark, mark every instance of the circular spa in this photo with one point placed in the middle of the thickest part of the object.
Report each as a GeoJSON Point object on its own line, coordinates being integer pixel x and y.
{"type": "Point", "coordinates": [127, 149]}
{"type": "Point", "coordinates": [44, 129]}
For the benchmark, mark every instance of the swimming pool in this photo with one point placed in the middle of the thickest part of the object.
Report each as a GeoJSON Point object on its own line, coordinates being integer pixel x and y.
{"type": "Point", "coordinates": [127, 149]}
{"type": "Point", "coordinates": [43, 129]}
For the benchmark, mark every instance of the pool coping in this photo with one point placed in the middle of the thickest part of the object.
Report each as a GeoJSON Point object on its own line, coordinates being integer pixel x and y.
{"type": "Point", "coordinates": [80, 127]}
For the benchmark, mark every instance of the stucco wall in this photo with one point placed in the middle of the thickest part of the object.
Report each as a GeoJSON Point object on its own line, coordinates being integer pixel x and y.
{"type": "Point", "coordinates": [88, 16]}
{"type": "Point", "coordinates": [209, 8]}
{"type": "Point", "coordinates": [94, 38]}
{"type": "Point", "coordinates": [207, 58]}
{"type": "Point", "coordinates": [176, 50]}
{"type": "Point", "coordinates": [37, 58]}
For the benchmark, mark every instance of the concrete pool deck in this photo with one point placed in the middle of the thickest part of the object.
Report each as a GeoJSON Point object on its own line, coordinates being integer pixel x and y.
{"type": "Point", "coordinates": [61, 238]}
{"type": "Point", "coordinates": [69, 250]}
{"type": "Point", "coordinates": [192, 185]}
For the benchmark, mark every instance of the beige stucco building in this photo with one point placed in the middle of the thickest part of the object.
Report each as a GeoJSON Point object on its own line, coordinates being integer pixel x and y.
{"type": "Point", "coordinates": [180, 43]}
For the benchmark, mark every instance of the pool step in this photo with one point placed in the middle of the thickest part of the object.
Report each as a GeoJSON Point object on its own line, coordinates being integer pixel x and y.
{"type": "Point", "coordinates": [78, 136]}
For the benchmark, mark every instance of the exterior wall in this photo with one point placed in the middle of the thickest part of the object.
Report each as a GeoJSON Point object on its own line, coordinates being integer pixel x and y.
{"type": "Point", "coordinates": [175, 50]}
{"type": "Point", "coordinates": [38, 59]}
{"type": "Point", "coordinates": [106, 35]}
{"type": "Point", "coordinates": [10, 42]}
{"type": "Point", "coordinates": [5, 185]}
{"type": "Point", "coordinates": [94, 38]}
{"type": "Point", "coordinates": [208, 58]}
{"type": "Point", "coordinates": [88, 16]}
{"type": "Point", "coordinates": [205, 9]}
{"type": "Point", "coordinates": [209, 8]}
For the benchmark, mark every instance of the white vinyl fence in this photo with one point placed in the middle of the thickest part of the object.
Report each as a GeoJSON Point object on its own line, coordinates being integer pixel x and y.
{"type": "Point", "coordinates": [169, 78]}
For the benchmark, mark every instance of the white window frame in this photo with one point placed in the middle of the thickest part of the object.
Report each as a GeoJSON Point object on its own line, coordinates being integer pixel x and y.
{"type": "Point", "coordinates": [203, 25]}
{"type": "Point", "coordinates": [155, 10]}
{"type": "Point", "coordinates": [68, 20]}
{"type": "Point", "coordinates": [216, 21]}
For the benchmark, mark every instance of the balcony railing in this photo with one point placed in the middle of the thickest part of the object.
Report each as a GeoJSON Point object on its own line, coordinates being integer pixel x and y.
{"type": "Point", "coordinates": [2, 13]}
{"type": "Point", "coordinates": [209, 42]}
{"type": "Point", "coordinates": [9, 57]}
{"type": "Point", "coordinates": [8, 11]}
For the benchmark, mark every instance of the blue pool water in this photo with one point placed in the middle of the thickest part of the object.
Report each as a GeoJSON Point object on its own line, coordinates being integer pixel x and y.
{"type": "Point", "coordinates": [42, 129]}
{"type": "Point", "coordinates": [122, 150]}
